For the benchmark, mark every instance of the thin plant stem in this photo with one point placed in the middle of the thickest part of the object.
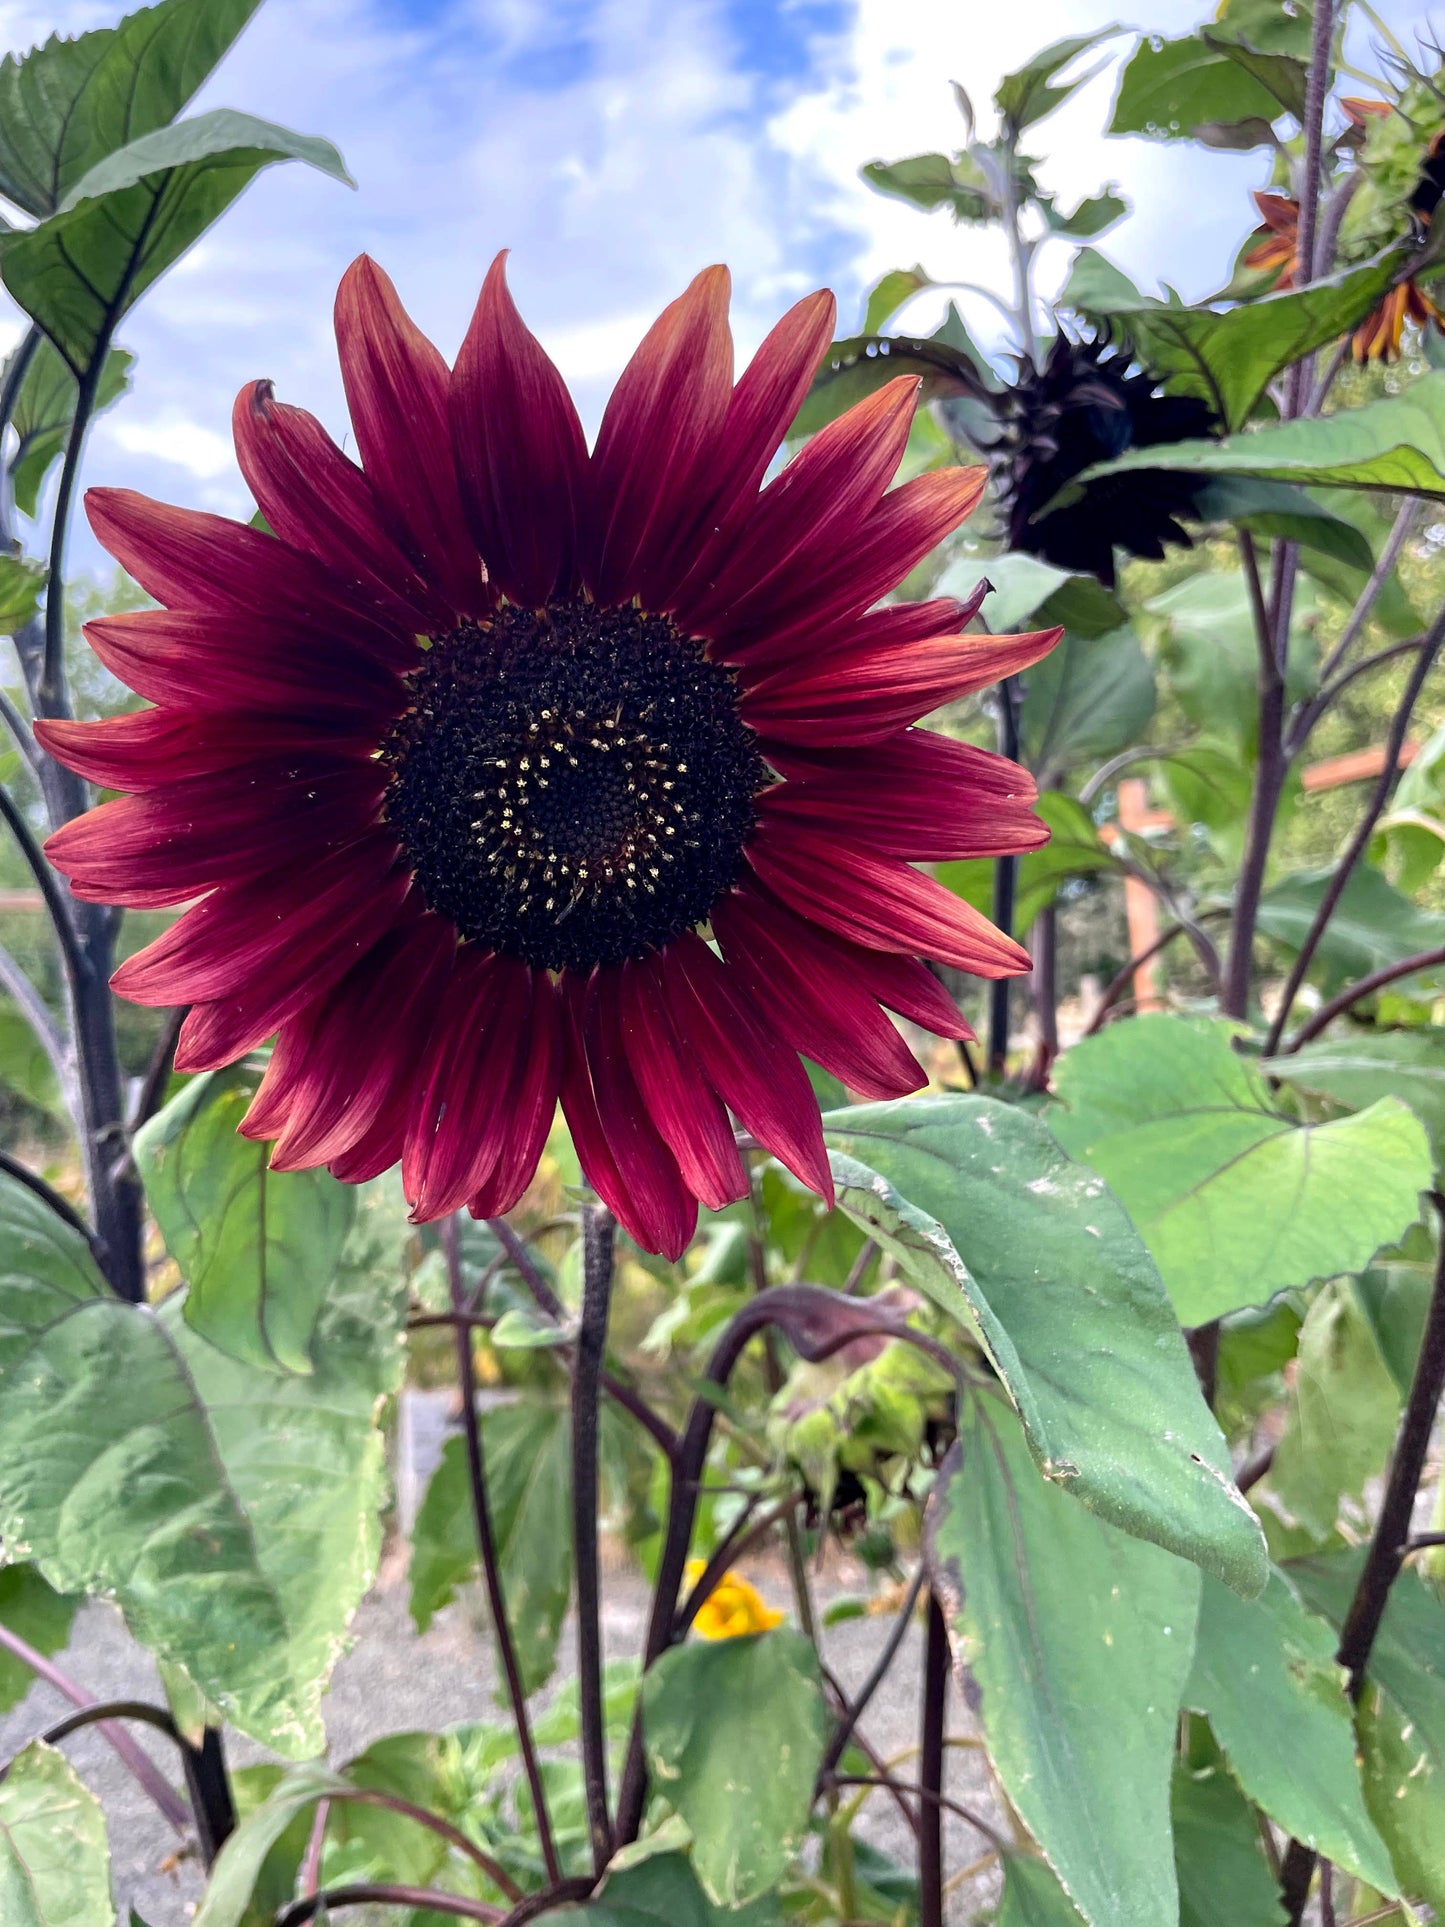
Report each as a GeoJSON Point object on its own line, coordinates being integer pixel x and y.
{"type": "Point", "coordinates": [1355, 848]}
{"type": "Point", "coordinates": [1120, 982]}
{"type": "Point", "coordinates": [930, 1767]}
{"type": "Point", "coordinates": [56, 903]}
{"type": "Point", "coordinates": [141, 1766]}
{"type": "Point", "coordinates": [487, 1547]}
{"type": "Point", "coordinates": [1268, 782]}
{"type": "Point", "coordinates": [158, 1070]}
{"type": "Point", "coordinates": [599, 1231]}
{"type": "Point", "coordinates": [1331, 693]}
{"type": "Point", "coordinates": [1045, 979]}
{"type": "Point", "coordinates": [209, 1785]}
{"type": "Point", "coordinates": [1364, 606]}
{"type": "Point", "coordinates": [858, 1705]}
{"type": "Point", "coordinates": [21, 732]}
{"type": "Point", "coordinates": [939, 1802]}
{"type": "Point", "coordinates": [50, 691]}
{"type": "Point", "coordinates": [1388, 1542]}
{"type": "Point", "coordinates": [1317, 83]}
{"type": "Point", "coordinates": [735, 1546]}
{"type": "Point", "coordinates": [375, 1893]}
{"type": "Point", "coordinates": [16, 370]}
{"type": "Point", "coordinates": [102, 1710]}
{"type": "Point", "coordinates": [1357, 992]}
{"type": "Point", "coordinates": [315, 1847]}
{"type": "Point", "coordinates": [434, 1823]}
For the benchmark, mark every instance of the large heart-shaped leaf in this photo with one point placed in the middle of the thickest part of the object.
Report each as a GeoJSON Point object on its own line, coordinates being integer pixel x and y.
{"type": "Point", "coordinates": [133, 215]}
{"type": "Point", "coordinates": [1074, 1643]}
{"type": "Point", "coordinates": [1396, 443]}
{"type": "Point", "coordinates": [1183, 1129]}
{"type": "Point", "coordinates": [66, 105]}
{"type": "Point", "coordinates": [1229, 356]}
{"type": "Point", "coordinates": [985, 1215]}
{"type": "Point", "coordinates": [526, 1448]}
{"type": "Point", "coordinates": [232, 1514]}
{"type": "Point", "coordinates": [54, 1863]}
{"type": "Point", "coordinates": [1265, 1677]}
{"type": "Point", "coordinates": [258, 1248]}
{"type": "Point", "coordinates": [734, 1731]}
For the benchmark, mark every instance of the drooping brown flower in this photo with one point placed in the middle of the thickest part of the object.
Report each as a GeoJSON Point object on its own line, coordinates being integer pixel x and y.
{"type": "Point", "coordinates": [466, 759]}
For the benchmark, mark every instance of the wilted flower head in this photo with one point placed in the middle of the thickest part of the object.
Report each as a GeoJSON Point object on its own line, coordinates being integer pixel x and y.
{"type": "Point", "coordinates": [467, 760]}
{"type": "Point", "coordinates": [1087, 403]}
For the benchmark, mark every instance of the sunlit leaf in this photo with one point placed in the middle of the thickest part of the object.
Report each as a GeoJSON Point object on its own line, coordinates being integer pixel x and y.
{"type": "Point", "coordinates": [1354, 1068]}
{"type": "Point", "coordinates": [887, 296]}
{"type": "Point", "coordinates": [44, 410]}
{"type": "Point", "coordinates": [936, 180]}
{"type": "Point", "coordinates": [1183, 1129]}
{"type": "Point", "coordinates": [66, 105]}
{"type": "Point", "coordinates": [1029, 94]}
{"type": "Point", "coordinates": [22, 583]}
{"type": "Point", "coordinates": [983, 1213]}
{"type": "Point", "coordinates": [1172, 87]}
{"type": "Point", "coordinates": [133, 215]}
{"type": "Point", "coordinates": [1229, 356]}
{"type": "Point", "coordinates": [1073, 1642]}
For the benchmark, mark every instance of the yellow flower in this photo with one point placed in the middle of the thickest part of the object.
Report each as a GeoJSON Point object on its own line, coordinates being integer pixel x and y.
{"type": "Point", "coordinates": [732, 1608]}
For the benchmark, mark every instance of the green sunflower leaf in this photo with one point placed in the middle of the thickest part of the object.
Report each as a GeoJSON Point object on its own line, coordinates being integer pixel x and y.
{"type": "Point", "coordinates": [54, 1862]}
{"type": "Point", "coordinates": [44, 410]}
{"type": "Point", "coordinates": [1356, 1068]}
{"type": "Point", "coordinates": [734, 1731]}
{"type": "Point", "coordinates": [258, 1248]}
{"type": "Point", "coordinates": [67, 105]}
{"type": "Point", "coordinates": [1229, 356]}
{"type": "Point", "coordinates": [1396, 443]}
{"type": "Point", "coordinates": [1373, 925]}
{"type": "Point", "coordinates": [1265, 1678]}
{"type": "Point", "coordinates": [1074, 849]}
{"type": "Point", "coordinates": [1073, 1643]}
{"type": "Point", "coordinates": [31, 1608]}
{"type": "Point", "coordinates": [133, 215]}
{"type": "Point", "coordinates": [159, 1444]}
{"type": "Point", "coordinates": [1036, 1257]}
{"type": "Point", "coordinates": [1171, 88]}
{"type": "Point", "coordinates": [1224, 1878]}
{"type": "Point", "coordinates": [1184, 1131]}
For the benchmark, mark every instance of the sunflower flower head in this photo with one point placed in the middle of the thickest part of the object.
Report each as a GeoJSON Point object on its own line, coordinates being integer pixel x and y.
{"type": "Point", "coordinates": [509, 772]}
{"type": "Point", "coordinates": [1087, 402]}
{"type": "Point", "coordinates": [733, 1608]}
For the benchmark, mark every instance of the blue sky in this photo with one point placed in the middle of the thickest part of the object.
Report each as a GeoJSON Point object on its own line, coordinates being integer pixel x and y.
{"type": "Point", "coordinates": [616, 146]}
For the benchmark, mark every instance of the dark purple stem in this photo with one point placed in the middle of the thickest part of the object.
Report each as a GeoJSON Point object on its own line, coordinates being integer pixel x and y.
{"type": "Point", "coordinates": [364, 1893]}
{"type": "Point", "coordinates": [599, 1231]}
{"type": "Point", "coordinates": [930, 1767]}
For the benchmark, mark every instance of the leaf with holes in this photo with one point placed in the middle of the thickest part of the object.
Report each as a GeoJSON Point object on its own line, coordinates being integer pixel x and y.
{"type": "Point", "coordinates": [1073, 1642]}
{"type": "Point", "coordinates": [1183, 1130]}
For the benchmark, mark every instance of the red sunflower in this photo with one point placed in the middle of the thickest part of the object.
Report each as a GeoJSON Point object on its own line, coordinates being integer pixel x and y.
{"type": "Point", "coordinates": [462, 759]}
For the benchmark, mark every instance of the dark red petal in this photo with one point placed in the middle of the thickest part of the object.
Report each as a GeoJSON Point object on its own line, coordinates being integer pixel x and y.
{"type": "Point", "coordinates": [154, 746]}
{"type": "Point", "coordinates": [359, 1050]}
{"type": "Point", "coordinates": [762, 407]}
{"type": "Point", "coordinates": [189, 659]}
{"type": "Point", "coordinates": [685, 1108]}
{"type": "Point", "coordinates": [270, 932]}
{"type": "Point", "coordinates": [520, 455]}
{"type": "Point", "coordinates": [747, 1064]}
{"type": "Point", "coordinates": [378, 1151]}
{"type": "Point", "coordinates": [190, 560]}
{"type": "Point", "coordinates": [531, 1106]}
{"type": "Point", "coordinates": [622, 1157]}
{"type": "Point", "coordinates": [396, 389]}
{"type": "Point", "coordinates": [659, 435]}
{"type": "Point", "coordinates": [865, 694]}
{"type": "Point", "coordinates": [900, 983]}
{"type": "Point", "coordinates": [878, 901]}
{"type": "Point", "coordinates": [319, 501]}
{"type": "Point", "coordinates": [216, 829]}
{"type": "Point", "coordinates": [805, 519]}
{"type": "Point", "coordinates": [793, 972]}
{"type": "Point", "coordinates": [460, 1119]}
{"type": "Point", "coordinates": [917, 795]}
{"type": "Point", "coordinates": [907, 525]}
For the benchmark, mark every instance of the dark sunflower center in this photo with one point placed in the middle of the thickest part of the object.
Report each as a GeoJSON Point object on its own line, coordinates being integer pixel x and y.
{"type": "Point", "coordinates": [574, 785]}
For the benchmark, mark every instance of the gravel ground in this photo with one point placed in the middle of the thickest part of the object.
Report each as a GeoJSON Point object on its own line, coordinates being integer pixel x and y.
{"type": "Point", "coordinates": [394, 1680]}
